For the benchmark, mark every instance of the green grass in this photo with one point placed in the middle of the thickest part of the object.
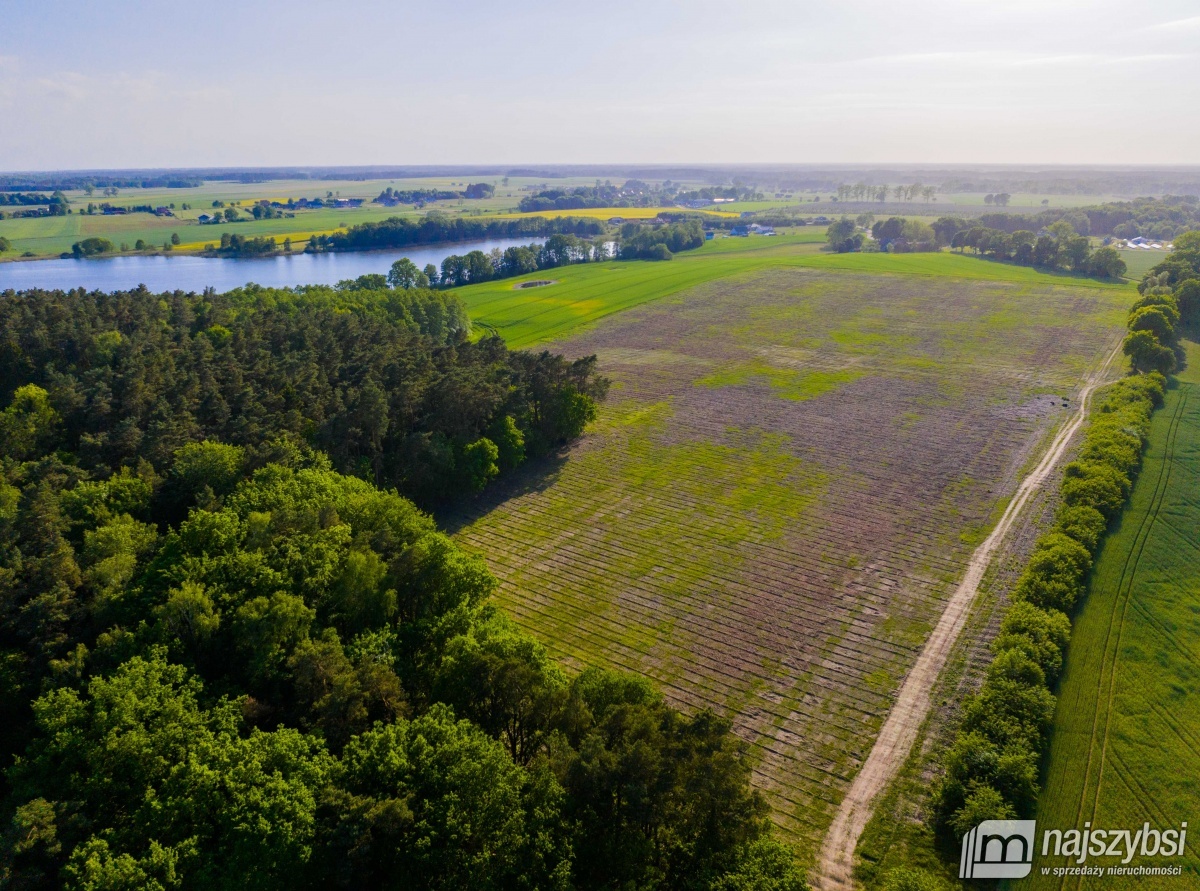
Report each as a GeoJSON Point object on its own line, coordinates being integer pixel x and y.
{"type": "Point", "coordinates": [1126, 741]}
{"type": "Point", "coordinates": [787, 383]}
{"type": "Point", "coordinates": [1138, 263]}
{"type": "Point", "coordinates": [585, 294]}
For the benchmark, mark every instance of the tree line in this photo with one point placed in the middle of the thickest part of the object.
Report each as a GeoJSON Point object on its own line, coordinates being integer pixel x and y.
{"type": "Point", "coordinates": [635, 242]}
{"type": "Point", "coordinates": [991, 771]}
{"type": "Point", "coordinates": [436, 228]}
{"type": "Point", "coordinates": [1058, 246]}
{"type": "Point", "coordinates": [392, 196]}
{"type": "Point", "coordinates": [863, 191]}
{"type": "Point", "coordinates": [1159, 218]}
{"type": "Point", "coordinates": [228, 659]}
{"type": "Point", "coordinates": [23, 199]}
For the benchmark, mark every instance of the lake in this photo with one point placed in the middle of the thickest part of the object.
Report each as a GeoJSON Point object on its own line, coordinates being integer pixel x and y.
{"type": "Point", "coordinates": [184, 272]}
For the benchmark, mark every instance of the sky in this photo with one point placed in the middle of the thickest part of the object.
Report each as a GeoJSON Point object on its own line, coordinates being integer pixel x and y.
{"type": "Point", "coordinates": [130, 84]}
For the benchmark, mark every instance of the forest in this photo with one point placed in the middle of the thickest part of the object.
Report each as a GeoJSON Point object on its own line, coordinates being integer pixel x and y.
{"type": "Point", "coordinates": [234, 653]}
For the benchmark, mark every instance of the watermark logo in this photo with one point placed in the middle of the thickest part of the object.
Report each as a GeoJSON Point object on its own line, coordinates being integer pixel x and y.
{"type": "Point", "coordinates": [998, 849]}
{"type": "Point", "coordinates": [1004, 849]}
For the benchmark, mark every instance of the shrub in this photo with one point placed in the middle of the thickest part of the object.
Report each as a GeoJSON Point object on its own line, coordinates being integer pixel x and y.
{"type": "Point", "coordinates": [1165, 302]}
{"type": "Point", "coordinates": [984, 803]}
{"type": "Point", "coordinates": [1054, 576]}
{"type": "Point", "coordinates": [1156, 320]}
{"type": "Point", "coordinates": [1147, 354]}
{"type": "Point", "coordinates": [89, 247]}
{"type": "Point", "coordinates": [1009, 712]}
{"type": "Point", "coordinates": [1095, 485]}
{"type": "Point", "coordinates": [1187, 297]}
{"type": "Point", "coordinates": [1017, 666]}
{"type": "Point", "coordinates": [1083, 523]}
{"type": "Point", "coordinates": [991, 770]}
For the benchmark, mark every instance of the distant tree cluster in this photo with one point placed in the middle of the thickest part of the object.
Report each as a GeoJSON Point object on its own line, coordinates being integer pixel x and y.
{"type": "Point", "coordinates": [863, 191]}
{"type": "Point", "coordinates": [89, 182]}
{"type": "Point", "coordinates": [1159, 218]}
{"type": "Point", "coordinates": [390, 196]}
{"type": "Point", "coordinates": [1170, 301]}
{"type": "Point", "coordinates": [897, 235]}
{"type": "Point", "coordinates": [233, 245]}
{"type": "Point", "coordinates": [1058, 246]}
{"type": "Point", "coordinates": [90, 247]}
{"type": "Point", "coordinates": [843, 236]}
{"type": "Point", "coordinates": [635, 242]}
{"type": "Point", "coordinates": [659, 242]}
{"type": "Point", "coordinates": [478, 191]}
{"type": "Point", "coordinates": [632, 193]}
{"type": "Point", "coordinates": [476, 266]}
{"type": "Point", "coordinates": [23, 199]}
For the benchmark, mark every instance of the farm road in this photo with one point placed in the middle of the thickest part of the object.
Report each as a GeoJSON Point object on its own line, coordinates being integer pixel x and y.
{"type": "Point", "coordinates": [836, 861]}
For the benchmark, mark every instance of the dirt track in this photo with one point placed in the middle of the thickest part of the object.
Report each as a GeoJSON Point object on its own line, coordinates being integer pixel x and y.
{"type": "Point", "coordinates": [836, 861]}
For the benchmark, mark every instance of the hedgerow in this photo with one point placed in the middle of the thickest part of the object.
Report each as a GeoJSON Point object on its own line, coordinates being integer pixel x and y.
{"type": "Point", "coordinates": [991, 769]}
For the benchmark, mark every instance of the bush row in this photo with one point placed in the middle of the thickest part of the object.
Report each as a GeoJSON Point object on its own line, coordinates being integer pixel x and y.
{"type": "Point", "coordinates": [991, 770]}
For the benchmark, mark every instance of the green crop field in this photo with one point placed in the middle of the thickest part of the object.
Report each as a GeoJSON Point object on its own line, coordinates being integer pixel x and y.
{"type": "Point", "coordinates": [798, 454]}
{"type": "Point", "coordinates": [1139, 262]}
{"type": "Point", "coordinates": [584, 294]}
{"type": "Point", "coordinates": [1126, 743]}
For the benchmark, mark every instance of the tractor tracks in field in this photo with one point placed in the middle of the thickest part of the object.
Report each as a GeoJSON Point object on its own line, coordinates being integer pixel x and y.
{"type": "Point", "coordinates": [835, 863]}
{"type": "Point", "coordinates": [1107, 682]}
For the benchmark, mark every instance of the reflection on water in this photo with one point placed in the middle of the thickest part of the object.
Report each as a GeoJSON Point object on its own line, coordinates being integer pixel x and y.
{"type": "Point", "coordinates": [190, 273]}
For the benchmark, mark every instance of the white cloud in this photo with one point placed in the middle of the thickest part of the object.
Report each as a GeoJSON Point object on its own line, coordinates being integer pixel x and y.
{"type": "Point", "coordinates": [1188, 24]}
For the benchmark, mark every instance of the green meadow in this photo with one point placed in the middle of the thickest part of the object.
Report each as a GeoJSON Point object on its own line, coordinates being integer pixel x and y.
{"type": "Point", "coordinates": [1126, 742]}
{"type": "Point", "coordinates": [583, 295]}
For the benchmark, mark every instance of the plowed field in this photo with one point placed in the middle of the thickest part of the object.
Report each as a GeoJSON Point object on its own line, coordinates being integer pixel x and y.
{"type": "Point", "coordinates": [782, 491]}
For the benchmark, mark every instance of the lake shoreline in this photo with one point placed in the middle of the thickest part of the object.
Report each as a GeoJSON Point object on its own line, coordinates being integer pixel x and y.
{"type": "Point", "coordinates": [193, 271]}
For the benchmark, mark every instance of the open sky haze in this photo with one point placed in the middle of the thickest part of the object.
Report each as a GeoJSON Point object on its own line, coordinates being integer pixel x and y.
{"type": "Point", "coordinates": [134, 84]}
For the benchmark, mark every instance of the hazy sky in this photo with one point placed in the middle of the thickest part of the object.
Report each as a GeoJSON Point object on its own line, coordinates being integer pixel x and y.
{"type": "Point", "coordinates": [127, 84]}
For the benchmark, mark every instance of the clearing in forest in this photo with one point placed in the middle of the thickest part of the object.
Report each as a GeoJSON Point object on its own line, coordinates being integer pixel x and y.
{"type": "Point", "coordinates": [1126, 743]}
{"type": "Point", "coordinates": [782, 491]}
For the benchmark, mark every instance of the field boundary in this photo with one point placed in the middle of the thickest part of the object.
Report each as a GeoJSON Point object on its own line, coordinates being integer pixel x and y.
{"type": "Point", "coordinates": [1104, 701]}
{"type": "Point", "coordinates": [892, 746]}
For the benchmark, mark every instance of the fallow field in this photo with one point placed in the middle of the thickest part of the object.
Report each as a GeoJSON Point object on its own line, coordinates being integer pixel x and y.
{"type": "Point", "coordinates": [1126, 743]}
{"type": "Point", "coordinates": [794, 464]}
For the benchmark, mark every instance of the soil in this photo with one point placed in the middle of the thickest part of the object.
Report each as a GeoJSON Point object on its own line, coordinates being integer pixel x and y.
{"type": "Point", "coordinates": [895, 740]}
